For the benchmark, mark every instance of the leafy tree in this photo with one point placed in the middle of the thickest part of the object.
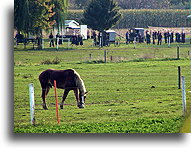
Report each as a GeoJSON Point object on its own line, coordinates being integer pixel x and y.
{"type": "Point", "coordinates": [59, 9]}
{"type": "Point", "coordinates": [34, 16]}
{"type": "Point", "coordinates": [31, 16]}
{"type": "Point", "coordinates": [101, 15]}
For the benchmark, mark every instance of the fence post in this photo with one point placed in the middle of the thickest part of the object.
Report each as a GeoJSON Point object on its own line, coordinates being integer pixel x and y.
{"type": "Point", "coordinates": [68, 42]}
{"type": "Point", "coordinates": [169, 42]}
{"type": "Point", "coordinates": [134, 42]}
{"type": "Point", "coordinates": [32, 103]}
{"type": "Point", "coordinates": [42, 43]}
{"type": "Point", "coordinates": [105, 56]}
{"type": "Point", "coordinates": [111, 58]}
{"type": "Point", "coordinates": [56, 97]}
{"type": "Point", "coordinates": [57, 41]}
{"type": "Point", "coordinates": [90, 56]}
{"type": "Point", "coordinates": [178, 53]}
{"type": "Point", "coordinates": [179, 77]}
{"type": "Point", "coordinates": [183, 95]}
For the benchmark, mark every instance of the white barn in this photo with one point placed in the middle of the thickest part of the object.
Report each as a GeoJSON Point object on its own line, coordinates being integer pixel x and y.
{"type": "Point", "coordinates": [72, 24]}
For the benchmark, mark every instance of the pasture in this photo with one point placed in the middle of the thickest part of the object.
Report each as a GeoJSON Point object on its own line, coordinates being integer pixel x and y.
{"type": "Point", "coordinates": [136, 91]}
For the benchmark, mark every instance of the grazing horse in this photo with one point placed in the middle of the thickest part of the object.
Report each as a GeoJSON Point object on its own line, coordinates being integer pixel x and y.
{"type": "Point", "coordinates": [66, 79]}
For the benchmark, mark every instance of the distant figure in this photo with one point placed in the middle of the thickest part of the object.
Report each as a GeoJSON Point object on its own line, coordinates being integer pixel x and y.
{"type": "Point", "coordinates": [153, 37]}
{"type": "Point", "coordinates": [177, 37]}
{"type": "Point", "coordinates": [183, 37]}
{"type": "Point", "coordinates": [58, 39]}
{"type": "Point", "coordinates": [166, 37]}
{"type": "Point", "coordinates": [80, 39]}
{"type": "Point", "coordinates": [131, 36]}
{"type": "Point", "coordinates": [159, 38]}
{"type": "Point", "coordinates": [19, 38]}
{"type": "Point", "coordinates": [51, 39]}
{"type": "Point", "coordinates": [148, 38]}
{"type": "Point", "coordinates": [172, 37]}
{"type": "Point", "coordinates": [127, 37]}
{"type": "Point", "coordinates": [94, 38]}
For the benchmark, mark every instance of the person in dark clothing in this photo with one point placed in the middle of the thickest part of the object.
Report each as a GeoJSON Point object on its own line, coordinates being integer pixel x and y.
{"type": "Point", "coordinates": [51, 39]}
{"type": "Point", "coordinates": [94, 38]}
{"type": "Point", "coordinates": [58, 39]}
{"type": "Point", "coordinates": [159, 38]}
{"type": "Point", "coordinates": [131, 36]}
{"type": "Point", "coordinates": [177, 39]}
{"type": "Point", "coordinates": [127, 37]}
{"type": "Point", "coordinates": [148, 38]}
{"type": "Point", "coordinates": [183, 37]}
{"type": "Point", "coordinates": [172, 37]}
{"type": "Point", "coordinates": [153, 37]}
{"type": "Point", "coordinates": [77, 40]}
{"type": "Point", "coordinates": [80, 40]}
{"type": "Point", "coordinates": [74, 40]}
{"type": "Point", "coordinates": [19, 38]}
{"type": "Point", "coordinates": [166, 37]}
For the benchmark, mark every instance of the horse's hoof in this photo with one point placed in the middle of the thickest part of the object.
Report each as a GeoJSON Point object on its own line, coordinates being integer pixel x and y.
{"type": "Point", "coordinates": [61, 107]}
{"type": "Point", "coordinates": [45, 108]}
{"type": "Point", "coordinates": [81, 105]}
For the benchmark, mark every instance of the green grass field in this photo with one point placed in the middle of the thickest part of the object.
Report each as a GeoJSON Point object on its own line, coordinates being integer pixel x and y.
{"type": "Point", "coordinates": [135, 92]}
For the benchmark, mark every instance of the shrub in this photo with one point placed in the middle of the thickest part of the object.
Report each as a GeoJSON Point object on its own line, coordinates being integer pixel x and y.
{"type": "Point", "coordinates": [56, 60]}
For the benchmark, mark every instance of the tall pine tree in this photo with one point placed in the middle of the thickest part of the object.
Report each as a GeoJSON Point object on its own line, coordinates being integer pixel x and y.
{"type": "Point", "coordinates": [101, 15]}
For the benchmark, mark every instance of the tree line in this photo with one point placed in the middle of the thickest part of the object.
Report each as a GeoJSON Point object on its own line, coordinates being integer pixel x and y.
{"type": "Point", "coordinates": [137, 4]}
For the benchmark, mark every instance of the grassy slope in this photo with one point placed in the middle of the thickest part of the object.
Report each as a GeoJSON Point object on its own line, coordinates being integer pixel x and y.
{"type": "Point", "coordinates": [120, 96]}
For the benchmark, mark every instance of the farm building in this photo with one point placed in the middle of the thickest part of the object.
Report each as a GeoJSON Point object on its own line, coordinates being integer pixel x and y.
{"type": "Point", "coordinates": [74, 28]}
{"type": "Point", "coordinates": [72, 24]}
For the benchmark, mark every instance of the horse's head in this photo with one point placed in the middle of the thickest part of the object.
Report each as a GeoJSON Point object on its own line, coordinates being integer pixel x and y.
{"type": "Point", "coordinates": [82, 97]}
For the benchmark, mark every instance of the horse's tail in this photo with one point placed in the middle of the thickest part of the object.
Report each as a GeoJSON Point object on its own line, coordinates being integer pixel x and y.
{"type": "Point", "coordinates": [80, 83]}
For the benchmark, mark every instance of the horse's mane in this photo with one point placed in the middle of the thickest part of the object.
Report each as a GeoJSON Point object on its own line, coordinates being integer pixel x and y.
{"type": "Point", "coordinates": [80, 83]}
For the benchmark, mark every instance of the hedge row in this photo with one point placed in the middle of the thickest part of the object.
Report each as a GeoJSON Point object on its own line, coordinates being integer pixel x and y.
{"type": "Point", "coordinates": [145, 18]}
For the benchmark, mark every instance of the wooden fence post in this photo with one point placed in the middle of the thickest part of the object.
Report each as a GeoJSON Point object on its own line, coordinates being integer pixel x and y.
{"type": "Point", "coordinates": [90, 56]}
{"type": "Point", "coordinates": [105, 56]}
{"type": "Point", "coordinates": [56, 97]}
{"type": "Point", "coordinates": [111, 58]}
{"type": "Point", "coordinates": [178, 53]}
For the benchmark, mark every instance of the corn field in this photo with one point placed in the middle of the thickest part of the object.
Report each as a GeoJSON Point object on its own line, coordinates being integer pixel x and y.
{"type": "Point", "coordinates": [145, 17]}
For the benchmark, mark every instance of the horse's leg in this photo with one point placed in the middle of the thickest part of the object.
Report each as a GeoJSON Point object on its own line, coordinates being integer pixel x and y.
{"type": "Point", "coordinates": [47, 90]}
{"type": "Point", "coordinates": [77, 97]}
{"type": "Point", "coordinates": [66, 91]}
{"type": "Point", "coordinates": [79, 102]}
{"type": "Point", "coordinates": [43, 98]}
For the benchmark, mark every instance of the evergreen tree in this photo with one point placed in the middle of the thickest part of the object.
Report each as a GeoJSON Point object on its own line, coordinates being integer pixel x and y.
{"type": "Point", "coordinates": [101, 15]}
{"type": "Point", "coordinates": [21, 15]}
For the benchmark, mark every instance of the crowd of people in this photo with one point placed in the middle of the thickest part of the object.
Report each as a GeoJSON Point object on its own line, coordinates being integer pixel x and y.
{"type": "Point", "coordinates": [75, 39]}
{"type": "Point", "coordinates": [156, 37]}
{"type": "Point", "coordinates": [149, 37]}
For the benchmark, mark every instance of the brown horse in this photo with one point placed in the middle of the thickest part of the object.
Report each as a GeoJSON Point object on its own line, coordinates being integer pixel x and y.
{"type": "Point", "coordinates": [66, 79]}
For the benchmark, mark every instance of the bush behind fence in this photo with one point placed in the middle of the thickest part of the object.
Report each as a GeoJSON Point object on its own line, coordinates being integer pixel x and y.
{"type": "Point", "coordinates": [145, 17]}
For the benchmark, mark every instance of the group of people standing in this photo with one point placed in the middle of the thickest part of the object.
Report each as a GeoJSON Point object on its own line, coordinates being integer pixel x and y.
{"type": "Point", "coordinates": [75, 39]}
{"type": "Point", "coordinates": [168, 36]}
{"type": "Point", "coordinates": [57, 41]}
{"type": "Point", "coordinates": [155, 37]}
